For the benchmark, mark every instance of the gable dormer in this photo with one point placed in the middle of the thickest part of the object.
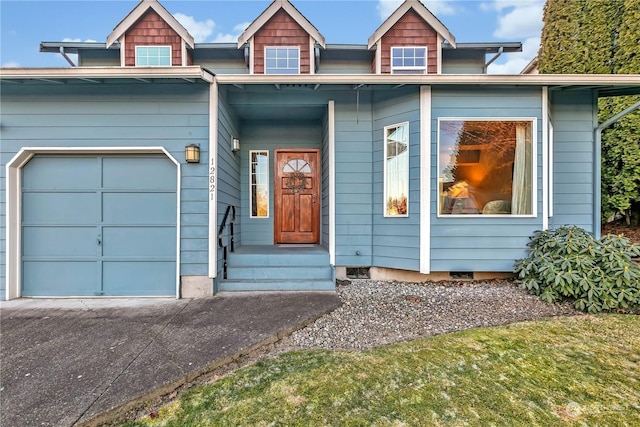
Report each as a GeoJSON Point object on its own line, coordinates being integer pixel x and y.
{"type": "Point", "coordinates": [281, 41]}
{"type": "Point", "coordinates": [409, 41]}
{"type": "Point", "coordinates": [149, 36]}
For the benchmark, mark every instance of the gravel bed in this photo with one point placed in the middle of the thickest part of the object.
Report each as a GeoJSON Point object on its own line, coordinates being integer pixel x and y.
{"type": "Point", "coordinates": [375, 313]}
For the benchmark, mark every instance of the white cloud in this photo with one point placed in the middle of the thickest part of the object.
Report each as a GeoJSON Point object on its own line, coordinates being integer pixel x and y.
{"type": "Point", "coordinates": [200, 30]}
{"type": "Point", "coordinates": [517, 19]}
{"type": "Point", "coordinates": [440, 7]}
{"type": "Point", "coordinates": [517, 61]}
{"type": "Point", "coordinates": [70, 40]}
{"type": "Point", "coordinates": [387, 7]}
{"type": "Point", "coordinates": [11, 64]}
{"type": "Point", "coordinates": [233, 36]}
{"type": "Point", "coordinates": [437, 7]}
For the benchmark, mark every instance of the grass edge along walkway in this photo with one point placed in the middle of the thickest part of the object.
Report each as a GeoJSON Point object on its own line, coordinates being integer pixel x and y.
{"type": "Point", "coordinates": [582, 370]}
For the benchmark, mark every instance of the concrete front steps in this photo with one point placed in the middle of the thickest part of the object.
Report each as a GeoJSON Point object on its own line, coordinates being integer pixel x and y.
{"type": "Point", "coordinates": [278, 268]}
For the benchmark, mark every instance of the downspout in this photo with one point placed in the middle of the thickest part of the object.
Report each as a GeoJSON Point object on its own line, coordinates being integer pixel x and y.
{"type": "Point", "coordinates": [597, 166]}
{"type": "Point", "coordinates": [65, 56]}
{"type": "Point", "coordinates": [492, 60]}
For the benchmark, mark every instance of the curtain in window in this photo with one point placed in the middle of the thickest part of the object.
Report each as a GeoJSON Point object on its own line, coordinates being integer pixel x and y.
{"type": "Point", "coordinates": [522, 176]}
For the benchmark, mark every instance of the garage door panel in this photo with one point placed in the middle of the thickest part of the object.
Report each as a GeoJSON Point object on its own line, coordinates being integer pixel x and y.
{"type": "Point", "coordinates": [59, 241]}
{"type": "Point", "coordinates": [139, 278]}
{"type": "Point", "coordinates": [99, 225]}
{"type": "Point", "coordinates": [148, 173]}
{"type": "Point", "coordinates": [65, 279]}
{"type": "Point", "coordinates": [53, 173]}
{"type": "Point", "coordinates": [139, 208]}
{"type": "Point", "coordinates": [139, 241]}
{"type": "Point", "coordinates": [59, 208]}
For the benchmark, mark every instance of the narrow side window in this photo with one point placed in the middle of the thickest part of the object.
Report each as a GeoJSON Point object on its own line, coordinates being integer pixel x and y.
{"type": "Point", "coordinates": [259, 182]}
{"type": "Point", "coordinates": [396, 170]}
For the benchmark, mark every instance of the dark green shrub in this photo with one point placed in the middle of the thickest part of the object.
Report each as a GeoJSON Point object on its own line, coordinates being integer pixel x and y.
{"type": "Point", "coordinates": [568, 263]}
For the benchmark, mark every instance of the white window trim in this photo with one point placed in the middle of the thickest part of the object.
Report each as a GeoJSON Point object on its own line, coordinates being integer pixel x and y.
{"type": "Point", "coordinates": [147, 46]}
{"type": "Point", "coordinates": [280, 47]}
{"type": "Point", "coordinates": [534, 165]}
{"type": "Point", "coordinates": [251, 152]}
{"type": "Point", "coordinates": [414, 68]}
{"type": "Point", "coordinates": [384, 175]}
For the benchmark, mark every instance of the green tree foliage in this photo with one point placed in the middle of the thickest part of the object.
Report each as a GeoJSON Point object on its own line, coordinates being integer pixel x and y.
{"type": "Point", "coordinates": [601, 37]}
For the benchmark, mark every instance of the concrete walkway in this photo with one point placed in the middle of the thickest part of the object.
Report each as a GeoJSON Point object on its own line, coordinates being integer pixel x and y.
{"type": "Point", "coordinates": [68, 362]}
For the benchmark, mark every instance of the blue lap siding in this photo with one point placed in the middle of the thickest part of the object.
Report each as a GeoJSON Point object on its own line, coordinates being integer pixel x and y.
{"type": "Point", "coordinates": [476, 243]}
{"type": "Point", "coordinates": [116, 115]}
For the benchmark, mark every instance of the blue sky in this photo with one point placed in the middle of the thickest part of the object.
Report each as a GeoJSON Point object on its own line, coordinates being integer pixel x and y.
{"type": "Point", "coordinates": [25, 23]}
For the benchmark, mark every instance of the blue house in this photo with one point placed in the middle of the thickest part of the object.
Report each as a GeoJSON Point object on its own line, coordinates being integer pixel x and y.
{"type": "Point", "coordinates": [157, 166]}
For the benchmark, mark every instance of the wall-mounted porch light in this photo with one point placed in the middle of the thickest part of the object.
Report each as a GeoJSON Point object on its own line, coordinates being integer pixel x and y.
{"type": "Point", "coordinates": [235, 145]}
{"type": "Point", "coordinates": [192, 153]}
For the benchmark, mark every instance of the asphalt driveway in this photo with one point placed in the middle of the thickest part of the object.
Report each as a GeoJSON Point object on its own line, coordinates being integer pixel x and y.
{"type": "Point", "coordinates": [69, 362]}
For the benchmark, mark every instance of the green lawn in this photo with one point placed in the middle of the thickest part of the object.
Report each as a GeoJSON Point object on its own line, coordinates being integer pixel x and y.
{"type": "Point", "coordinates": [566, 371]}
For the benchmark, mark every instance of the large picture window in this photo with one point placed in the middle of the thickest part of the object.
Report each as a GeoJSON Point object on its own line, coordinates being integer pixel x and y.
{"type": "Point", "coordinates": [282, 60]}
{"type": "Point", "coordinates": [486, 166]}
{"type": "Point", "coordinates": [259, 176]}
{"type": "Point", "coordinates": [409, 60]}
{"type": "Point", "coordinates": [153, 56]}
{"type": "Point", "coordinates": [396, 170]}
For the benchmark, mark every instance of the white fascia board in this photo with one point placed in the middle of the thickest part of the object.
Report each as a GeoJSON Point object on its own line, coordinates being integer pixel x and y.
{"type": "Point", "coordinates": [609, 80]}
{"type": "Point", "coordinates": [190, 72]}
{"type": "Point", "coordinates": [137, 13]}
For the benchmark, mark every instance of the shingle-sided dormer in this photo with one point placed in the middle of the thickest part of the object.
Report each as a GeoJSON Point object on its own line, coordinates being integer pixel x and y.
{"type": "Point", "coordinates": [281, 41]}
{"type": "Point", "coordinates": [151, 37]}
{"type": "Point", "coordinates": [409, 42]}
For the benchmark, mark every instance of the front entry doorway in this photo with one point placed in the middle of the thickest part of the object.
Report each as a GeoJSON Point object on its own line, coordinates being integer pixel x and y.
{"type": "Point", "coordinates": [297, 196]}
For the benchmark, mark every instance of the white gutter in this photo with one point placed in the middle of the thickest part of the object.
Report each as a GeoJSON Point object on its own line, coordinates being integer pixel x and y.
{"type": "Point", "coordinates": [597, 215]}
{"type": "Point", "coordinates": [438, 79]}
{"type": "Point", "coordinates": [190, 72]}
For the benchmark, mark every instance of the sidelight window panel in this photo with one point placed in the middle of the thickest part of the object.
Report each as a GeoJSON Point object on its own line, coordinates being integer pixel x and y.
{"type": "Point", "coordinates": [259, 176]}
{"type": "Point", "coordinates": [396, 170]}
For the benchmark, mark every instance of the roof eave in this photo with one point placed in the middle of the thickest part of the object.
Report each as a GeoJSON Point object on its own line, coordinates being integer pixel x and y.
{"type": "Point", "coordinates": [552, 80]}
{"type": "Point", "coordinates": [96, 73]}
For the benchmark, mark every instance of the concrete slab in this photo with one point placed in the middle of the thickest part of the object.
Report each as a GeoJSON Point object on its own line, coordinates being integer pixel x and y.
{"type": "Point", "coordinates": [71, 362]}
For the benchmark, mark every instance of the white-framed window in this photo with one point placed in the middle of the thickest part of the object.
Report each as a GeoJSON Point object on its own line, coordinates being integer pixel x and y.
{"type": "Point", "coordinates": [259, 183]}
{"type": "Point", "coordinates": [486, 166]}
{"type": "Point", "coordinates": [282, 60]}
{"type": "Point", "coordinates": [396, 170]}
{"type": "Point", "coordinates": [153, 56]}
{"type": "Point", "coordinates": [409, 60]}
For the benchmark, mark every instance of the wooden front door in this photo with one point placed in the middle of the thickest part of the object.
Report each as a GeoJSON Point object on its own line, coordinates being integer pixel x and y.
{"type": "Point", "coordinates": [297, 196]}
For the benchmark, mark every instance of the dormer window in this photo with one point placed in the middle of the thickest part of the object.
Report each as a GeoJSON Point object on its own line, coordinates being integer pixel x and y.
{"type": "Point", "coordinates": [409, 60]}
{"type": "Point", "coordinates": [282, 60]}
{"type": "Point", "coordinates": [153, 56]}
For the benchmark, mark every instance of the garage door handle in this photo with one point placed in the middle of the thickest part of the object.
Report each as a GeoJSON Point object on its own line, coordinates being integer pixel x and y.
{"type": "Point", "coordinates": [99, 241]}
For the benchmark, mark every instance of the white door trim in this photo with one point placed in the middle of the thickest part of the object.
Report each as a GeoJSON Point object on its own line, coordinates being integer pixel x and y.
{"type": "Point", "coordinates": [14, 204]}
